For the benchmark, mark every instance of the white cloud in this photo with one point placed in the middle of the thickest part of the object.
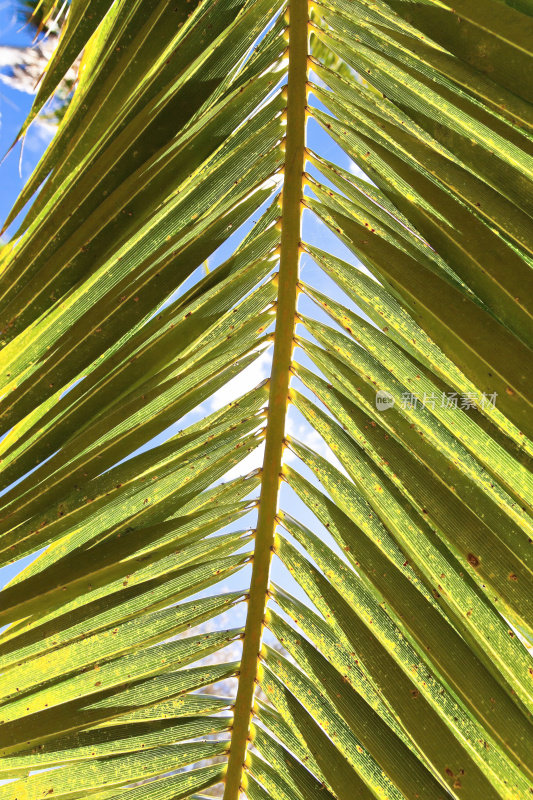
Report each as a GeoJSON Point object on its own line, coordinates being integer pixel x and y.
{"type": "Point", "coordinates": [244, 382]}
{"type": "Point", "coordinates": [252, 462]}
{"type": "Point", "coordinates": [306, 434]}
{"type": "Point", "coordinates": [356, 170]}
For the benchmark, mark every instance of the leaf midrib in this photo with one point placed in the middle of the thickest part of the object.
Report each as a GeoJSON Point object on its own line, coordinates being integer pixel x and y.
{"type": "Point", "coordinates": [287, 280]}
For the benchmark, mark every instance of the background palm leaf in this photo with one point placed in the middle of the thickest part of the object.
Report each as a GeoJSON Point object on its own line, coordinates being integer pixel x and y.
{"type": "Point", "coordinates": [385, 649]}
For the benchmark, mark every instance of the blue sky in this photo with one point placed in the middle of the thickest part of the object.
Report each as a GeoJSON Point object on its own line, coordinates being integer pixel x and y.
{"type": "Point", "coordinates": [14, 106]}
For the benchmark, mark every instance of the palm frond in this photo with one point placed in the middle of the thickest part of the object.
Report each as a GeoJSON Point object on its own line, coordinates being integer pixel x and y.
{"type": "Point", "coordinates": [362, 576]}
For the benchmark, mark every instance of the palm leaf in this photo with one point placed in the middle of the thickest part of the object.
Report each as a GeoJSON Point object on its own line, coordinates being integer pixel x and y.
{"type": "Point", "coordinates": [368, 503]}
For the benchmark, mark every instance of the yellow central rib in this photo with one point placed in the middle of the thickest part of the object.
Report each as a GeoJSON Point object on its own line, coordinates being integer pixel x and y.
{"type": "Point", "coordinates": [279, 391]}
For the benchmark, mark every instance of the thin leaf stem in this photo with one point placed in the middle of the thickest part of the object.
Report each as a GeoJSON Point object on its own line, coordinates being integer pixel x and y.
{"type": "Point", "coordinates": [292, 208]}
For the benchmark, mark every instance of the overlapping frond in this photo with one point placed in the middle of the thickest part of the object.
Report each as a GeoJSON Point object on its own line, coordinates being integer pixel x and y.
{"type": "Point", "coordinates": [383, 596]}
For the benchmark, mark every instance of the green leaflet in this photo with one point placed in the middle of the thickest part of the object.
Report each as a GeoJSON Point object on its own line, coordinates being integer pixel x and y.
{"type": "Point", "coordinates": [171, 685]}
{"type": "Point", "coordinates": [463, 246]}
{"type": "Point", "coordinates": [440, 569]}
{"type": "Point", "coordinates": [127, 603]}
{"type": "Point", "coordinates": [163, 498]}
{"type": "Point", "coordinates": [500, 49]}
{"type": "Point", "coordinates": [302, 784]}
{"type": "Point", "coordinates": [178, 208]}
{"type": "Point", "coordinates": [115, 293]}
{"type": "Point", "coordinates": [146, 582]}
{"type": "Point", "coordinates": [465, 326]}
{"type": "Point", "coordinates": [255, 791]}
{"type": "Point", "coordinates": [290, 769]}
{"type": "Point", "coordinates": [149, 696]}
{"type": "Point", "coordinates": [60, 478]}
{"type": "Point", "coordinates": [109, 644]}
{"type": "Point", "coordinates": [288, 734]}
{"type": "Point", "coordinates": [465, 430]}
{"type": "Point", "coordinates": [181, 52]}
{"type": "Point", "coordinates": [113, 740]}
{"type": "Point", "coordinates": [492, 715]}
{"type": "Point", "coordinates": [435, 502]}
{"type": "Point", "coordinates": [57, 481]}
{"type": "Point", "coordinates": [432, 421]}
{"type": "Point", "coordinates": [181, 706]}
{"type": "Point", "coordinates": [346, 715]}
{"type": "Point", "coordinates": [66, 782]}
{"type": "Point", "coordinates": [346, 757]}
{"type": "Point", "coordinates": [63, 698]}
{"type": "Point", "coordinates": [318, 631]}
{"type": "Point", "coordinates": [109, 50]}
{"type": "Point", "coordinates": [82, 21]}
{"type": "Point", "coordinates": [356, 385]}
{"type": "Point", "coordinates": [131, 308]}
{"type": "Point", "coordinates": [170, 788]}
{"type": "Point", "coordinates": [111, 675]}
{"type": "Point", "coordinates": [382, 307]}
{"type": "Point", "coordinates": [444, 225]}
{"type": "Point", "coordinates": [143, 355]}
{"type": "Point", "coordinates": [378, 56]}
{"type": "Point", "coordinates": [497, 97]}
{"type": "Point", "coordinates": [413, 683]}
{"type": "Point", "coordinates": [62, 576]}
